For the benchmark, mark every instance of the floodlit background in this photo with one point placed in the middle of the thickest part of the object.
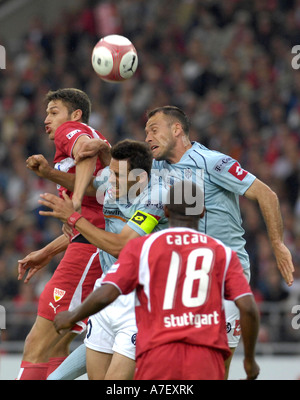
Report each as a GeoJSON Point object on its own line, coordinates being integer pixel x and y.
{"type": "Point", "coordinates": [228, 64]}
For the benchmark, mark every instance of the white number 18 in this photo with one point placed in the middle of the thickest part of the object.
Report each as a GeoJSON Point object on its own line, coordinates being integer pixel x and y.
{"type": "Point", "coordinates": [191, 275]}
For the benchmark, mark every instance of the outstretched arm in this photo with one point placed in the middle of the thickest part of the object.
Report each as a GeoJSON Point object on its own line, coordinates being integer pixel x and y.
{"type": "Point", "coordinates": [270, 209]}
{"type": "Point", "coordinates": [36, 260]}
{"type": "Point", "coordinates": [94, 303]}
{"type": "Point", "coordinates": [38, 164]}
{"type": "Point", "coordinates": [110, 242]}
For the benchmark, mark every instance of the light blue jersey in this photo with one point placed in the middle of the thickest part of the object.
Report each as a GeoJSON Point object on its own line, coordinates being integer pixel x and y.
{"type": "Point", "coordinates": [223, 181]}
{"type": "Point", "coordinates": [144, 213]}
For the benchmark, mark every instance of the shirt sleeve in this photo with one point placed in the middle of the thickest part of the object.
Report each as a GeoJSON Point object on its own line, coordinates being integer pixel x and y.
{"type": "Point", "coordinates": [124, 273]}
{"type": "Point", "coordinates": [236, 284]}
{"type": "Point", "coordinates": [67, 134]}
{"type": "Point", "coordinates": [228, 173]}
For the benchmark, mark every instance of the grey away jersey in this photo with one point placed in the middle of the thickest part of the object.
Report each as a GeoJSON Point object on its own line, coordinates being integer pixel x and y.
{"type": "Point", "coordinates": [144, 213]}
{"type": "Point", "coordinates": [223, 181]}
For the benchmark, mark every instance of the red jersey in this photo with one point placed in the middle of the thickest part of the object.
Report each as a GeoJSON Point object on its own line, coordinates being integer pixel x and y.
{"type": "Point", "coordinates": [181, 277]}
{"type": "Point", "coordinates": [65, 138]}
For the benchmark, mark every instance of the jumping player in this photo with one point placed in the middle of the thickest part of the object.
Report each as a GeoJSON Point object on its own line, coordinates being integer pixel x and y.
{"type": "Point", "coordinates": [180, 276]}
{"type": "Point", "coordinates": [68, 113]}
{"type": "Point", "coordinates": [224, 180]}
{"type": "Point", "coordinates": [167, 133]}
{"type": "Point", "coordinates": [132, 207]}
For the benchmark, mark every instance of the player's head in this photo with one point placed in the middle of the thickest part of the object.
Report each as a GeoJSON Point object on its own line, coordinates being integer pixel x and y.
{"type": "Point", "coordinates": [66, 105]}
{"type": "Point", "coordinates": [130, 164]}
{"type": "Point", "coordinates": [185, 204]}
{"type": "Point", "coordinates": [167, 129]}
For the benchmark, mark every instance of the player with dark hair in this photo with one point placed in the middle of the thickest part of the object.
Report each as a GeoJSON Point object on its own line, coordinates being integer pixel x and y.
{"type": "Point", "coordinates": [223, 181]}
{"type": "Point", "coordinates": [180, 277]}
{"type": "Point", "coordinates": [68, 112]}
{"type": "Point", "coordinates": [132, 207]}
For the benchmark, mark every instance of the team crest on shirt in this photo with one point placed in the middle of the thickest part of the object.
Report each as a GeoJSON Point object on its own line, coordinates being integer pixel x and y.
{"type": "Point", "coordinates": [58, 294]}
{"type": "Point", "coordinates": [188, 173]}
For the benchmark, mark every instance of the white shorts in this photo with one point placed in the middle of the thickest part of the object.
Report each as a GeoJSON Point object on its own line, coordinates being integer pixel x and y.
{"type": "Point", "coordinates": [232, 316]}
{"type": "Point", "coordinates": [114, 328]}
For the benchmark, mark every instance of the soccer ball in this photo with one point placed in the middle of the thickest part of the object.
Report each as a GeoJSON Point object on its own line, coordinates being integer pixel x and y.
{"type": "Point", "coordinates": [114, 58]}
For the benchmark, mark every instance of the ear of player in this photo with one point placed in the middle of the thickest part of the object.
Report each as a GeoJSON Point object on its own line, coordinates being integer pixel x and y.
{"type": "Point", "coordinates": [114, 58]}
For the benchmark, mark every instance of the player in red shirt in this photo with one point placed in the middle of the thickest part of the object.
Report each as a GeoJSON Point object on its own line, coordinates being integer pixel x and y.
{"type": "Point", "coordinates": [68, 113]}
{"type": "Point", "coordinates": [181, 277]}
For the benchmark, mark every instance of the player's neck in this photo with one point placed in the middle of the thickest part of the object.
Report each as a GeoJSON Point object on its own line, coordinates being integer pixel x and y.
{"type": "Point", "coordinates": [179, 151]}
{"type": "Point", "coordinates": [183, 223]}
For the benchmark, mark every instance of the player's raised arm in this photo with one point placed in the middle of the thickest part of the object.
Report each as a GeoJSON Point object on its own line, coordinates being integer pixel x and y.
{"type": "Point", "coordinates": [38, 164]}
{"type": "Point", "coordinates": [92, 148]}
{"type": "Point", "coordinates": [84, 172]}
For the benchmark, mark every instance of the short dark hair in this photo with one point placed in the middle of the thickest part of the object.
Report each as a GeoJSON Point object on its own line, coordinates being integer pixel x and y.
{"type": "Point", "coordinates": [138, 154]}
{"type": "Point", "coordinates": [175, 113]}
{"type": "Point", "coordinates": [73, 99]}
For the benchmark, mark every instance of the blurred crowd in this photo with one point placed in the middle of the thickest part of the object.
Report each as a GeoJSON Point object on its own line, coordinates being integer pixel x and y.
{"type": "Point", "coordinates": [228, 64]}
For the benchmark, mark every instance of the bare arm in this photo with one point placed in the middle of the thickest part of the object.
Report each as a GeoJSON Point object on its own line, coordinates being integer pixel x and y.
{"type": "Point", "coordinates": [36, 260]}
{"type": "Point", "coordinates": [94, 147]}
{"type": "Point", "coordinates": [38, 164]}
{"type": "Point", "coordinates": [249, 320]}
{"type": "Point", "coordinates": [269, 206]}
{"type": "Point", "coordinates": [110, 242]}
{"type": "Point", "coordinates": [84, 172]}
{"type": "Point", "coordinates": [94, 303]}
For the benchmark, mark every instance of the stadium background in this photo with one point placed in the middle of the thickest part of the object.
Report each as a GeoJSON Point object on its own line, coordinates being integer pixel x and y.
{"type": "Point", "coordinates": [228, 64]}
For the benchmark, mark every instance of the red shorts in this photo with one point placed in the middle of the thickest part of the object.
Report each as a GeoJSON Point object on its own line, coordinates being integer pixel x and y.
{"type": "Point", "coordinates": [72, 281]}
{"type": "Point", "coordinates": [180, 361]}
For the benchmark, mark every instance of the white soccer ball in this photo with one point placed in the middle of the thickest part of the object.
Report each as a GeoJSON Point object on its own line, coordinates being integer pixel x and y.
{"type": "Point", "coordinates": [114, 58]}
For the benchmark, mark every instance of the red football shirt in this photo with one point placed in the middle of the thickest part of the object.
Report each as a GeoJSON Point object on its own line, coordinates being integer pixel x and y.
{"type": "Point", "coordinates": [181, 277]}
{"type": "Point", "coordinates": [65, 139]}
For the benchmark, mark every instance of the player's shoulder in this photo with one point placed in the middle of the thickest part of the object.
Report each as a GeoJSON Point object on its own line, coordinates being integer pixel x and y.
{"type": "Point", "coordinates": [207, 154]}
{"type": "Point", "coordinates": [69, 126]}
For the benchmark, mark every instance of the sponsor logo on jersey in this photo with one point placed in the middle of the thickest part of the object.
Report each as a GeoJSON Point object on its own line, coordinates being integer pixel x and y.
{"type": "Point", "coordinates": [72, 133]}
{"type": "Point", "coordinates": [54, 308]}
{"type": "Point", "coordinates": [220, 165]}
{"type": "Point", "coordinates": [237, 171]}
{"type": "Point", "coordinates": [58, 294]}
{"type": "Point", "coordinates": [190, 318]}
